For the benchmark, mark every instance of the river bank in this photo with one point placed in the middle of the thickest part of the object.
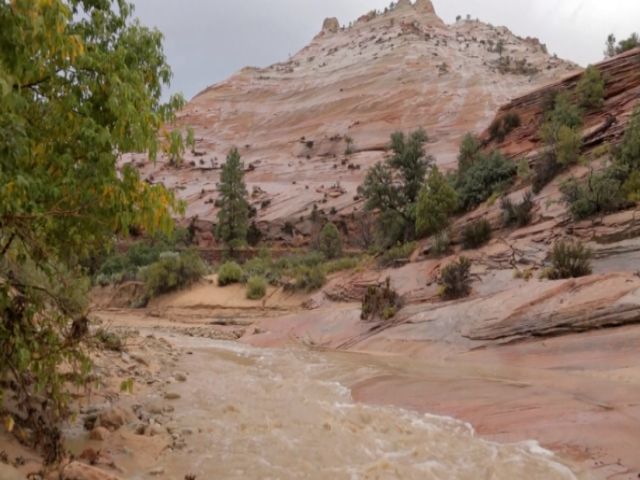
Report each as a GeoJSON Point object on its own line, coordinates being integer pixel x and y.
{"type": "Point", "coordinates": [570, 393]}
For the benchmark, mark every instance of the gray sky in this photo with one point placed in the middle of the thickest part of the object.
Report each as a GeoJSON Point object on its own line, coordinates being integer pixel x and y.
{"type": "Point", "coordinates": [208, 40]}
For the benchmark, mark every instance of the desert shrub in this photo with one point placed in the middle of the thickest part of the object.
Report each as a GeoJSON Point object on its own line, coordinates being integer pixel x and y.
{"type": "Point", "coordinates": [338, 265]}
{"type": "Point", "coordinates": [455, 279]}
{"type": "Point", "coordinates": [518, 214]}
{"type": "Point", "coordinates": [600, 193]}
{"type": "Point", "coordinates": [291, 262]}
{"type": "Point", "coordinates": [109, 340]}
{"type": "Point", "coordinates": [476, 234]}
{"type": "Point", "coordinates": [397, 254]}
{"type": "Point", "coordinates": [172, 271]}
{"type": "Point", "coordinates": [380, 302]}
{"type": "Point", "coordinates": [544, 171]}
{"type": "Point", "coordinates": [590, 88]}
{"type": "Point", "coordinates": [524, 170]}
{"type": "Point", "coordinates": [256, 288]}
{"type": "Point", "coordinates": [437, 201]}
{"type": "Point", "coordinates": [631, 187]}
{"type": "Point", "coordinates": [564, 113]}
{"type": "Point", "coordinates": [629, 152]}
{"type": "Point", "coordinates": [308, 279]}
{"type": "Point", "coordinates": [120, 267]}
{"type": "Point", "coordinates": [229, 273]}
{"type": "Point", "coordinates": [567, 146]}
{"type": "Point", "coordinates": [569, 260]}
{"type": "Point", "coordinates": [503, 126]}
{"type": "Point", "coordinates": [263, 266]}
{"type": "Point", "coordinates": [329, 241]}
{"type": "Point", "coordinates": [488, 174]}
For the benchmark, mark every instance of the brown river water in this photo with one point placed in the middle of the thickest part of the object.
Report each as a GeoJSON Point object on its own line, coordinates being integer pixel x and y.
{"type": "Point", "coordinates": [286, 414]}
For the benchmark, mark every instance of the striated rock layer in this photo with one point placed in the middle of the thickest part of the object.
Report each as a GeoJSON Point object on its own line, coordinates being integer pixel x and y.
{"type": "Point", "coordinates": [603, 125]}
{"type": "Point", "coordinates": [347, 91]}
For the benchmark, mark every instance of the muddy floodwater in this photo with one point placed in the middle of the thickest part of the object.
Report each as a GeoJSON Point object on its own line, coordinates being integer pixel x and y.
{"type": "Point", "coordinates": [286, 414]}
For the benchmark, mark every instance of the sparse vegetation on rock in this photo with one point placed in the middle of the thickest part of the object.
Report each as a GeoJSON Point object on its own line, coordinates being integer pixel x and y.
{"type": "Point", "coordinates": [392, 187]}
{"type": "Point", "coordinates": [600, 193]}
{"type": "Point", "coordinates": [455, 279]}
{"type": "Point", "coordinates": [615, 47]}
{"type": "Point", "coordinates": [476, 234]}
{"type": "Point", "coordinates": [590, 89]}
{"type": "Point", "coordinates": [329, 241]}
{"type": "Point", "coordinates": [380, 302]}
{"type": "Point", "coordinates": [503, 126]}
{"type": "Point", "coordinates": [397, 255]}
{"type": "Point", "coordinates": [518, 214]}
{"type": "Point", "coordinates": [438, 200]}
{"type": "Point", "coordinates": [488, 174]}
{"type": "Point", "coordinates": [569, 260]}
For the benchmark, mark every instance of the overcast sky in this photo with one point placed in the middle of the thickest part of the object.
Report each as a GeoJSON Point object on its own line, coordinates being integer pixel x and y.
{"type": "Point", "coordinates": [208, 40]}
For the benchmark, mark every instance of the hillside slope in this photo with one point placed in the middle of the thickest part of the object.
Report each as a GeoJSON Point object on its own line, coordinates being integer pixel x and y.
{"type": "Point", "coordinates": [397, 70]}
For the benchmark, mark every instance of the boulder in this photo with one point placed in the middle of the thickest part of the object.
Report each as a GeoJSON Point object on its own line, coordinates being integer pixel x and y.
{"type": "Point", "coordinates": [114, 418]}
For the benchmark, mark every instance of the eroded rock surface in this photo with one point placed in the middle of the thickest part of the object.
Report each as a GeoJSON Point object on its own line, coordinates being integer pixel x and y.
{"type": "Point", "coordinates": [309, 128]}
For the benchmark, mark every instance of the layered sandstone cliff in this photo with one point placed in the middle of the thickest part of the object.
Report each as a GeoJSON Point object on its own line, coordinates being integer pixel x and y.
{"type": "Point", "coordinates": [602, 125]}
{"type": "Point", "coordinates": [309, 128]}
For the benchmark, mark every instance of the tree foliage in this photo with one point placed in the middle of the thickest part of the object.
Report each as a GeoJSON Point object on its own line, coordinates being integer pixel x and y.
{"type": "Point", "coordinates": [469, 150]}
{"type": "Point", "coordinates": [80, 84]}
{"type": "Point", "coordinates": [591, 88]}
{"type": "Point", "coordinates": [438, 200]}
{"type": "Point", "coordinates": [233, 216]}
{"type": "Point", "coordinates": [392, 186]}
{"type": "Point", "coordinates": [615, 47]}
{"type": "Point", "coordinates": [629, 155]}
{"type": "Point", "coordinates": [329, 241]}
{"type": "Point", "coordinates": [600, 193]}
{"type": "Point", "coordinates": [488, 173]}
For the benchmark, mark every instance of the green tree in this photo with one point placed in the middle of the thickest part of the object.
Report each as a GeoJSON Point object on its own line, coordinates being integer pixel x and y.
{"type": "Point", "coordinates": [629, 154]}
{"type": "Point", "coordinates": [613, 47]}
{"type": "Point", "coordinates": [80, 84]}
{"type": "Point", "coordinates": [437, 201]}
{"type": "Point", "coordinates": [590, 88]}
{"type": "Point", "coordinates": [233, 217]}
{"type": "Point", "coordinates": [469, 150]}
{"type": "Point", "coordinates": [561, 131]}
{"type": "Point", "coordinates": [392, 186]}
{"type": "Point", "coordinates": [329, 241]}
{"type": "Point", "coordinates": [488, 174]}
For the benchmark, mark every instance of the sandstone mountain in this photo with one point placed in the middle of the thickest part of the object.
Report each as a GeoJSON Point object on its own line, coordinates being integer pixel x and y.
{"type": "Point", "coordinates": [310, 127]}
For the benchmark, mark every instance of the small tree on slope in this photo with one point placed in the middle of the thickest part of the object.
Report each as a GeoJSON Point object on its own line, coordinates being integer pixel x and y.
{"type": "Point", "coordinates": [233, 217]}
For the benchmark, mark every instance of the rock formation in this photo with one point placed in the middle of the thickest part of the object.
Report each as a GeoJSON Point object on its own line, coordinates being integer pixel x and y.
{"type": "Point", "coordinates": [604, 125]}
{"type": "Point", "coordinates": [330, 25]}
{"type": "Point", "coordinates": [314, 124]}
{"type": "Point", "coordinates": [425, 6]}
